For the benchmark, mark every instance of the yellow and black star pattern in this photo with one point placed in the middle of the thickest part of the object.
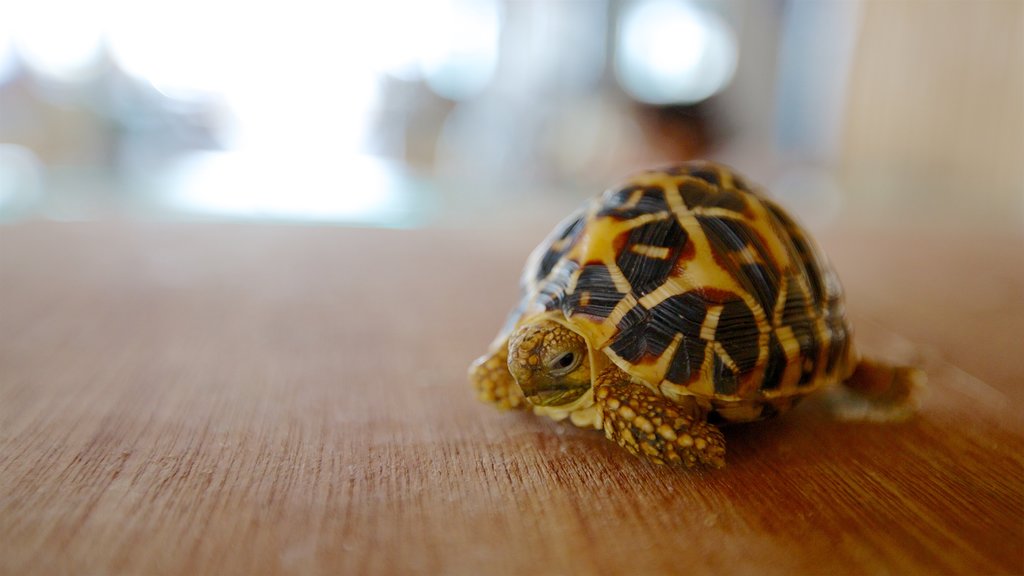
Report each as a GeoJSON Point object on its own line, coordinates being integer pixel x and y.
{"type": "Point", "coordinates": [696, 285]}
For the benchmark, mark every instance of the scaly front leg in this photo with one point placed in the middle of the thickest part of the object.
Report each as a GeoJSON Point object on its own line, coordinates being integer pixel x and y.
{"type": "Point", "coordinates": [652, 426]}
{"type": "Point", "coordinates": [493, 382]}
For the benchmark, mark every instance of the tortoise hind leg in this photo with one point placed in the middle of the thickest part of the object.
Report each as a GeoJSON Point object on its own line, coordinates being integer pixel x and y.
{"type": "Point", "coordinates": [882, 392]}
{"type": "Point", "coordinates": [493, 383]}
{"type": "Point", "coordinates": [654, 427]}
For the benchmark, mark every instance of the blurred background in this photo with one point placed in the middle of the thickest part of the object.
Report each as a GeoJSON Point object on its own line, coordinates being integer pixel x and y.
{"type": "Point", "coordinates": [463, 112]}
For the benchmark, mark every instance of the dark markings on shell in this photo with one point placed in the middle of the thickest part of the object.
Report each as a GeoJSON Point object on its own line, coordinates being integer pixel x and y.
{"type": "Point", "coordinates": [736, 245]}
{"type": "Point", "coordinates": [644, 335]}
{"type": "Point", "coordinates": [687, 360]}
{"type": "Point", "coordinates": [693, 169]}
{"type": "Point", "coordinates": [795, 315]}
{"type": "Point", "coordinates": [631, 342]}
{"type": "Point", "coordinates": [738, 333]}
{"type": "Point", "coordinates": [809, 347]}
{"type": "Point", "coordinates": [697, 194]}
{"type": "Point", "coordinates": [682, 314]}
{"type": "Point", "coordinates": [639, 250]}
{"type": "Point", "coordinates": [776, 365]}
{"type": "Point", "coordinates": [595, 293]}
{"type": "Point", "coordinates": [618, 204]}
{"type": "Point", "coordinates": [724, 378]}
{"type": "Point", "coordinates": [547, 263]}
{"type": "Point", "coordinates": [794, 310]}
{"type": "Point", "coordinates": [812, 271]}
{"type": "Point", "coordinates": [552, 292]}
{"type": "Point", "coordinates": [560, 246]}
{"type": "Point", "coordinates": [708, 175]}
{"type": "Point", "coordinates": [762, 281]}
{"type": "Point", "coordinates": [725, 234]}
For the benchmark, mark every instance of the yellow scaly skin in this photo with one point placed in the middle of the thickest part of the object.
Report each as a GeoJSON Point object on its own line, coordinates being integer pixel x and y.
{"type": "Point", "coordinates": [650, 426]}
{"type": "Point", "coordinates": [493, 383]}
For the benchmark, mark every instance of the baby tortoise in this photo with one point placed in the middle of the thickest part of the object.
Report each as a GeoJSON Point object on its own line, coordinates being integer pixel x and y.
{"type": "Point", "coordinates": [677, 301]}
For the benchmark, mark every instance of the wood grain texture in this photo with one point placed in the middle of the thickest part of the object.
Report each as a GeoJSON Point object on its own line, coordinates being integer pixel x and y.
{"type": "Point", "coordinates": [242, 399]}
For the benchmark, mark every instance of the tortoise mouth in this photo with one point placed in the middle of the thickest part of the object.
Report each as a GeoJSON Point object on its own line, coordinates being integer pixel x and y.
{"type": "Point", "coordinates": [557, 396]}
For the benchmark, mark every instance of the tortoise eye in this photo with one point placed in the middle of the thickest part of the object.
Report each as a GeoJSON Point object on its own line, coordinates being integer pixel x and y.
{"type": "Point", "coordinates": [566, 360]}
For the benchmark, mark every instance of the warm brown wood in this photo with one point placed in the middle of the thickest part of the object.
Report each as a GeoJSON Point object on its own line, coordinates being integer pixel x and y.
{"type": "Point", "coordinates": [244, 399]}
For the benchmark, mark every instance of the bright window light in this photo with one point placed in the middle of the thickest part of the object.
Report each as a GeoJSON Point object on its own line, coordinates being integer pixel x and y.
{"type": "Point", "coordinates": [398, 53]}
{"type": "Point", "coordinates": [181, 48]}
{"type": "Point", "coordinates": [296, 187]}
{"type": "Point", "coordinates": [672, 52]}
{"type": "Point", "coordinates": [56, 38]}
{"type": "Point", "coordinates": [461, 55]}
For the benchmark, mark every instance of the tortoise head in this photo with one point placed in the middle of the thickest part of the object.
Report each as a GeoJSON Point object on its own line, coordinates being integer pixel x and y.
{"type": "Point", "coordinates": [550, 362]}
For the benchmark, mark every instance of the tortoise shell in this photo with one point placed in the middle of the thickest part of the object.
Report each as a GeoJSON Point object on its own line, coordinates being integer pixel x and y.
{"type": "Point", "coordinates": [695, 284]}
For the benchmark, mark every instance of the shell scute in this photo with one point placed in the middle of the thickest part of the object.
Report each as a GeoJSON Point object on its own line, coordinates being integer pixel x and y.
{"type": "Point", "coordinates": [635, 341]}
{"type": "Point", "coordinates": [595, 294]}
{"type": "Point", "coordinates": [562, 242]}
{"type": "Point", "coordinates": [811, 267]}
{"type": "Point", "coordinates": [551, 292]}
{"type": "Point", "coordinates": [632, 201]}
{"type": "Point", "coordinates": [742, 251]}
{"type": "Point", "coordinates": [686, 312]}
{"type": "Point", "coordinates": [739, 334]}
{"type": "Point", "coordinates": [647, 254]}
{"type": "Point", "coordinates": [697, 193]}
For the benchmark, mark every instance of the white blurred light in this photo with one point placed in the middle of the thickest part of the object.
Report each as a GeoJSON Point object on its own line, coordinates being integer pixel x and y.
{"type": "Point", "coordinates": [181, 48]}
{"type": "Point", "coordinates": [398, 53]}
{"type": "Point", "coordinates": [203, 47]}
{"type": "Point", "coordinates": [56, 38]}
{"type": "Point", "coordinates": [672, 52]}
{"type": "Point", "coordinates": [295, 73]}
{"type": "Point", "coordinates": [461, 53]}
{"type": "Point", "coordinates": [295, 187]}
{"type": "Point", "coordinates": [451, 44]}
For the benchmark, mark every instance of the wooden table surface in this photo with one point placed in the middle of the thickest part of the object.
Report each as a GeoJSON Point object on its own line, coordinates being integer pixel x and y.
{"type": "Point", "coordinates": [256, 399]}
